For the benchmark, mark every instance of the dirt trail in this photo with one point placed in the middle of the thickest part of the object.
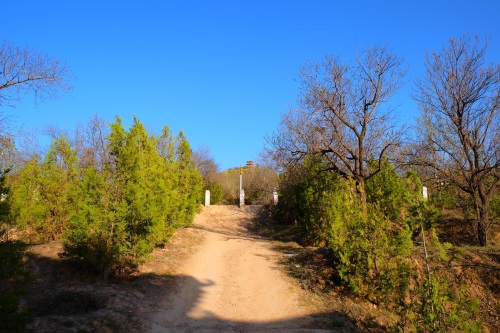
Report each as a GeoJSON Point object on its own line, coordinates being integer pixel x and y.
{"type": "Point", "coordinates": [232, 283]}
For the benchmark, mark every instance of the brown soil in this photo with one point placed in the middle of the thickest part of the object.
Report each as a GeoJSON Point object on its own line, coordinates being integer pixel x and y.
{"type": "Point", "coordinates": [215, 276]}
{"type": "Point", "coordinates": [474, 268]}
{"type": "Point", "coordinates": [219, 275]}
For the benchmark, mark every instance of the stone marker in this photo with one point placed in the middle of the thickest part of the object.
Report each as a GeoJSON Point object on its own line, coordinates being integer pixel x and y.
{"type": "Point", "coordinates": [424, 192]}
{"type": "Point", "coordinates": [207, 198]}
{"type": "Point", "coordinates": [242, 198]}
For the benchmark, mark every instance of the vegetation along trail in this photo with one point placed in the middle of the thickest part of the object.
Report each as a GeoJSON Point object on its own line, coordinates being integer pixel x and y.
{"type": "Point", "coordinates": [233, 283]}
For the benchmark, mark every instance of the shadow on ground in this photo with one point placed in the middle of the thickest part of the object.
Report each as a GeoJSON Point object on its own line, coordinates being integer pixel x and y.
{"type": "Point", "coordinates": [64, 300]}
{"type": "Point", "coordinates": [169, 318]}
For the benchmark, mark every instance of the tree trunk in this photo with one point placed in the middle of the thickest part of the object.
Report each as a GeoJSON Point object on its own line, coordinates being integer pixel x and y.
{"type": "Point", "coordinates": [362, 194]}
{"type": "Point", "coordinates": [482, 225]}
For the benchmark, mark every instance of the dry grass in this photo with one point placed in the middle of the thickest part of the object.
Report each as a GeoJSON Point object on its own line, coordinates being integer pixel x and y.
{"type": "Point", "coordinates": [65, 298]}
{"type": "Point", "coordinates": [313, 268]}
{"type": "Point", "coordinates": [476, 267]}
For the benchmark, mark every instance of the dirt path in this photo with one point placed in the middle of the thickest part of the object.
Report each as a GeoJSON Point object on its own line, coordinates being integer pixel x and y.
{"type": "Point", "coordinates": [232, 283]}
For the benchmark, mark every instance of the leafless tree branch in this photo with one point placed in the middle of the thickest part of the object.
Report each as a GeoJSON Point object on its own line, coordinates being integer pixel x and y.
{"type": "Point", "coordinates": [25, 71]}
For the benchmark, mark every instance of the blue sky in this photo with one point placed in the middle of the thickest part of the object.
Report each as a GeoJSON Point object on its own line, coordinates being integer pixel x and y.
{"type": "Point", "coordinates": [221, 71]}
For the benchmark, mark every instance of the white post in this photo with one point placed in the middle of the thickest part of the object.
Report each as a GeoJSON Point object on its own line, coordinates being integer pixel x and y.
{"type": "Point", "coordinates": [241, 180]}
{"type": "Point", "coordinates": [207, 198]}
{"type": "Point", "coordinates": [424, 192]}
{"type": "Point", "coordinates": [242, 193]}
{"type": "Point", "coordinates": [242, 198]}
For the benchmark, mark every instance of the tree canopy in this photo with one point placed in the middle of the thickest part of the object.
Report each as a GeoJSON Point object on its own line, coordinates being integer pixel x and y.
{"type": "Point", "coordinates": [23, 70]}
{"type": "Point", "coordinates": [459, 137]}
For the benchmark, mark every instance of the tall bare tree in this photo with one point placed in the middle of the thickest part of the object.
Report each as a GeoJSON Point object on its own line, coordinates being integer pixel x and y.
{"type": "Point", "coordinates": [205, 162]}
{"type": "Point", "coordinates": [27, 71]}
{"type": "Point", "coordinates": [343, 116]}
{"type": "Point", "coordinates": [459, 98]}
{"type": "Point", "coordinates": [91, 143]}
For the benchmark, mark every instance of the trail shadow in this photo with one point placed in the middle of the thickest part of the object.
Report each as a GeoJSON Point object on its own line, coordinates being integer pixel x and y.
{"type": "Point", "coordinates": [63, 299]}
{"type": "Point", "coordinates": [188, 317]}
{"type": "Point", "coordinates": [230, 234]}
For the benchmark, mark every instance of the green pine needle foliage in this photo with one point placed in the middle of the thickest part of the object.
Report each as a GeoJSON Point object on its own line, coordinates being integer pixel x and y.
{"type": "Point", "coordinates": [149, 189]}
{"type": "Point", "coordinates": [13, 277]}
{"type": "Point", "coordinates": [111, 215]}
{"type": "Point", "coordinates": [41, 193]}
{"type": "Point", "coordinates": [378, 255]}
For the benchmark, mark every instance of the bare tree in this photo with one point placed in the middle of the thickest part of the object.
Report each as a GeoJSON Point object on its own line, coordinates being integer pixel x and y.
{"type": "Point", "coordinates": [459, 97]}
{"type": "Point", "coordinates": [92, 144]}
{"type": "Point", "coordinates": [259, 183]}
{"type": "Point", "coordinates": [26, 71]}
{"type": "Point", "coordinates": [55, 132]}
{"type": "Point", "coordinates": [205, 162]}
{"type": "Point", "coordinates": [342, 115]}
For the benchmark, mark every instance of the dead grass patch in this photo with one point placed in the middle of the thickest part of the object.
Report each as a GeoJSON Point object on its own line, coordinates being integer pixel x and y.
{"type": "Point", "coordinates": [477, 268]}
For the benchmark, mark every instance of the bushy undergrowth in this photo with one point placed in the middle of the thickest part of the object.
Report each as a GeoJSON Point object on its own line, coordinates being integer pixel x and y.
{"type": "Point", "coordinates": [110, 203]}
{"type": "Point", "coordinates": [389, 254]}
{"type": "Point", "coordinates": [136, 202]}
{"type": "Point", "coordinates": [13, 281]}
{"type": "Point", "coordinates": [13, 277]}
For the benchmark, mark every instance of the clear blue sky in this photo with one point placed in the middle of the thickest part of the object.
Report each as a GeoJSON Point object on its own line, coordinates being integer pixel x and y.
{"type": "Point", "coordinates": [221, 71]}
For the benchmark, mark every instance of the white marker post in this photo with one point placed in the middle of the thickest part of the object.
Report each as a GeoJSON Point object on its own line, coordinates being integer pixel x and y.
{"type": "Point", "coordinates": [242, 193]}
{"type": "Point", "coordinates": [207, 198]}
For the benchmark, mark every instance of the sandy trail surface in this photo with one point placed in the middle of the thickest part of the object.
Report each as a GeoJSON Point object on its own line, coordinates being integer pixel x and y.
{"type": "Point", "coordinates": [232, 283]}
